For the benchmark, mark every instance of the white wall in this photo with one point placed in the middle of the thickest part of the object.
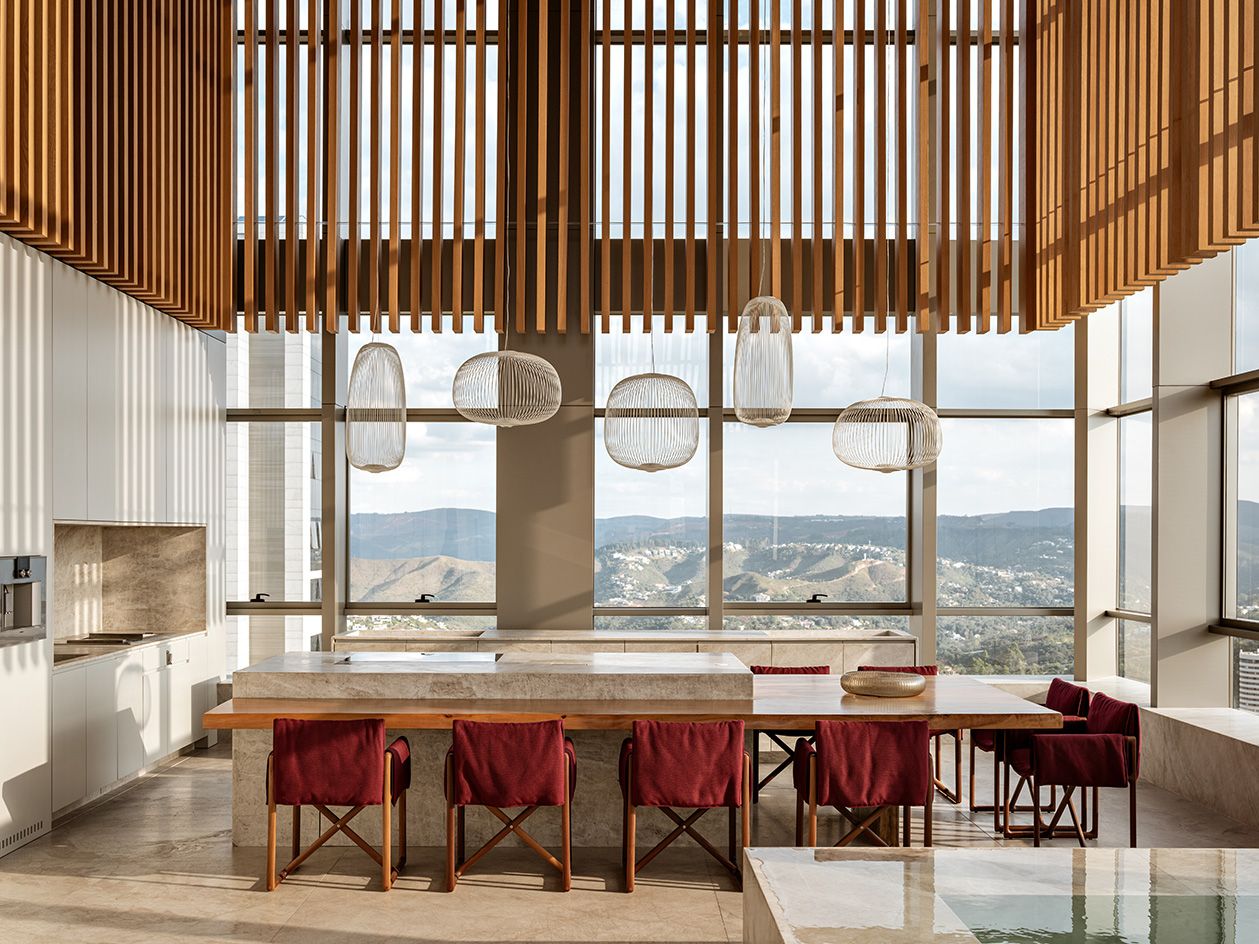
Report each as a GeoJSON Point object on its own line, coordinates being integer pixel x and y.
{"type": "Point", "coordinates": [109, 411]}
{"type": "Point", "coordinates": [25, 528]}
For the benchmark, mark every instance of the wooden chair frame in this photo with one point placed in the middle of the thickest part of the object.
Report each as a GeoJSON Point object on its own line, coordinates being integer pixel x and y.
{"type": "Point", "coordinates": [759, 782]}
{"type": "Point", "coordinates": [629, 826]}
{"type": "Point", "coordinates": [340, 824]}
{"type": "Point", "coordinates": [456, 861]}
{"type": "Point", "coordinates": [1052, 830]}
{"type": "Point", "coordinates": [860, 825]}
{"type": "Point", "coordinates": [952, 794]}
{"type": "Point", "coordinates": [996, 808]}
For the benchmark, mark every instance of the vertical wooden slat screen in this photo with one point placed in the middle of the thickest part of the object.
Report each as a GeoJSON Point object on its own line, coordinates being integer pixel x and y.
{"type": "Point", "coordinates": [114, 119]}
{"type": "Point", "coordinates": [458, 118]}
{"type": "Point", "coordinates": [1140, 141]}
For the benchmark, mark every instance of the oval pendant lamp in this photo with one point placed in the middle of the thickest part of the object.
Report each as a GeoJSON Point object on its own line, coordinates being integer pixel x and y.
{"type": "Point", "coordinates": [763, 379]}
{"type": "Point", "coordinates": [887, 434]}
{"type": "Point", "coordinates": [506, 388]}
{"type": "Point", "coordinates": [376, 410]}
{"type": "Point", "coordinates": [651, 422]}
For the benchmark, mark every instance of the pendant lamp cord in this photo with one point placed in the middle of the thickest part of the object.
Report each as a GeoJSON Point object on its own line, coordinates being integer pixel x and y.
{"type": "Point", "coordinates": [887, 361]}
{"type": "Point", "coordinates": [652, 336]}
{"type": "Point", "coordinates": [763, 94]}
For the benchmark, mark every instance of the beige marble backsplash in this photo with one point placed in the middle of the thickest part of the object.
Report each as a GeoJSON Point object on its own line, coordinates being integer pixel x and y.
{"type": "Point", "coordinates": [149, 579]}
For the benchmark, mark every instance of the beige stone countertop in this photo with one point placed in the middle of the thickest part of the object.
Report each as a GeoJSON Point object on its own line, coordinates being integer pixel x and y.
{"type": "Point", "coordinates": [637, 635]}
{"type": "Point", "coordinates": [494, 675]}
{"type": "Point", "coordinates": [86, 653]}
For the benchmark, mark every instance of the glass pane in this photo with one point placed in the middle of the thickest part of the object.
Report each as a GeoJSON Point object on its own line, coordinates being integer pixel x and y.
{"type": "Point", "coordinates": [1135, 511]}
{"type": "Point", "coordinates": [1006, 645]}
{"type": "Point", "coordinates": [632, 623]}
{"type": "Point", "coordinates": [1007, 371]}
{"type": "Point", "coordinates": [250, 639]}
{"type": "Point", "coordinates": [797, 521]}
{"type": "Point", "coordinates": [1137, 359]}
{"type": "Point", "coordinates": [1246, 674]}
{"type": "Point", "coordinates": [651, 531]}
{"type": "Point", "coordinates": [429, 359]}
{"type": "Point", "coordinates": [833, 370]}
{"type": "Point", "coordinates": [782, 621]}
{"type": "Point", "coordinates": [1134, 650]}
{"type": "Point", "coordinates": [1246, 324]}
{"type": "Point", "coordinates": [427, 526]}
{"type": "Point", "coordinates": [273, 508]}
{"type": "Point", "coordinates": [394, 621]}
{"type": "Point", "coordinates": [620, 354]}
{"type": "Point", "coordinates": [1246, 526]}
{"type": "Point", "coordinates": [1005, 499]}
{"type": "Point", "coordinates": [272, 370]}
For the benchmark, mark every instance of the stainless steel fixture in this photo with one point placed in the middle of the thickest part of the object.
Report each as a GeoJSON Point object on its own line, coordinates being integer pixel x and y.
{"type": "Point", "coordinates": [22, 607]}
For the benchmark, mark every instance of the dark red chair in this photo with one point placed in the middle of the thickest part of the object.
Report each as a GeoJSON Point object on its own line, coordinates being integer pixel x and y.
{"type": "Point", "coordinates": [681, 765]}
{"type": "Point", "coordinates": [953, 794]}
{"type": "Point", "coordinates": [502, 766]}
{"type": "Point", "coordinates": [337, 763]}
{"type": "Point", "coordinates": [1106, 754]}
{"type": "Point", "coordinates": [1069, 700]}
{"type": "Point", "coordinates": [871, 765]}
{"type": "Point", "coordinates": [778, 736]}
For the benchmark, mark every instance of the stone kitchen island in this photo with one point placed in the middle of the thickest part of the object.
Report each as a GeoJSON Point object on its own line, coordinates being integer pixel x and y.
{"type": "Point", "coordinates": [598, 696]}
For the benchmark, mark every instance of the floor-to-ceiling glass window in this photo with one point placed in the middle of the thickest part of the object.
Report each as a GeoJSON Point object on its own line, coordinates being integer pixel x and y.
{"type": "Point", "coordinates": [1005, 501]}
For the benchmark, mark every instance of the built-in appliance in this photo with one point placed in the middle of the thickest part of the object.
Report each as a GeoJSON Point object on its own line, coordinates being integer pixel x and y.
{"type": "Point", "coordinates": [25, 656]}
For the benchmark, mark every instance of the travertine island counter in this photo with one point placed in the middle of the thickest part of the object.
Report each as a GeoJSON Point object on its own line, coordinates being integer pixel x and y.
{"type": "Point", "coordinates": [598, 695]}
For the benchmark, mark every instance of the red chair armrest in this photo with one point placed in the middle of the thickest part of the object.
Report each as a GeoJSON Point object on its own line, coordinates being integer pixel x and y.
{"type": "Point", "coordinates": [800, 765]}
{"type": "Point", "coordinates": [1081, 760]}
{"type": "Point", "coordinates": [400, 750]}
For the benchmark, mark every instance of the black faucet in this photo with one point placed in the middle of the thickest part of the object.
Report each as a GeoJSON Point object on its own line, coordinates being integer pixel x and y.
{"type": "Point", "coordinates": [424, 598]}
{"type": "Point", "coordinates": [260, 598]}
{"type": "Point", "coordinates": [816, 598]}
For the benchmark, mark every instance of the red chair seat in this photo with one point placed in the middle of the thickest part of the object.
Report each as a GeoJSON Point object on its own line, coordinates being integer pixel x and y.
{"type": "Point", "coordinates": [509, 765]}
{"type": "Point", "coordinates": [683, 764]}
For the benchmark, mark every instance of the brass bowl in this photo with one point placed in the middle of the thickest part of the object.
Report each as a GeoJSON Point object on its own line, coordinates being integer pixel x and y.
{"type": "Point", "coordinates": [883, 684]}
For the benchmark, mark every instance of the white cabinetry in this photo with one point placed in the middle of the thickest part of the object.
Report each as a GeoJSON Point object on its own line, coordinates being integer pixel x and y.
{"type": "Point", "coordinates": [115, 717]}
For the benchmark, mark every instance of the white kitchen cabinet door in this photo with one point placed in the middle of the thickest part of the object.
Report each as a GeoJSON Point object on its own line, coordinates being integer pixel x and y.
{"type": "Point", "coordinates": [100, 727]}
{"type": "Point", "coordinates": [69, 393]}
{"type": "Point", "coordinates": [156, 685]}
{"type": "Point", "coordinates": [203, 683]}
{"type": "Point", "coordinates": [69, 749]}
{"type": "Point", "coordinates": [104, 366]}
{"type": "Point", "coordinates": [179, 731]}
{"type": "Point", "coordinates": [129, 712]}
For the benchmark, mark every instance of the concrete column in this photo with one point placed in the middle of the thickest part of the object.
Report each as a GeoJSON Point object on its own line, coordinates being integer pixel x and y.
{"type": "Point", "coordinates": [546, 514]}
{"type": "Point", "coordinates": [1193, 346]}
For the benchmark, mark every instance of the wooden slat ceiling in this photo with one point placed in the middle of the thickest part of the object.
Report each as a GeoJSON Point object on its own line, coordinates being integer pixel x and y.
{"type": "Point", "coordinates": [1143, 145]}
{"type": "Point", "coordinates": [115, 144]}
{"type": "Point", "coordinates": [608, 151]}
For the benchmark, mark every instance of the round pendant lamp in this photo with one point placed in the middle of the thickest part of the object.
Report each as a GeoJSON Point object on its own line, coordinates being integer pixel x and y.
{"type": "Point", "coordinates": [506, 388]}
{"type": "Point", "coordinates": [651, 422]}
{"type": "Point", "coordinates": [376, 410]}
{"type": "Point", "coordinates": [887, 434]}
{"type": "Point", "coordinates": [763, 383]}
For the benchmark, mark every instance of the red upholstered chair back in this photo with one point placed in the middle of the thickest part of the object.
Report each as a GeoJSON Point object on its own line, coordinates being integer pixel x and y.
{"type": "Point", "coordinates": [927, 670]}
{"type": "Point", "coordinates": [685, 764]}
{"type": "Point", "coordinates": [791, 669]}
{"type": "Point", "coordinates": [507, 765]}
{"type": "Point", "coordinates": [873, 763]}
{"type": "Point", "coordinates": [1111, 716]}
{"type": "Point", "coordinates": [1067, 699]}
{"type": "Point", "coordinates": [336, 763]}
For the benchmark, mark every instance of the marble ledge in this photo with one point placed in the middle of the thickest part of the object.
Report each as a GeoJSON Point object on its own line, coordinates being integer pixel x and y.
{"type": "Point", "coordinates": [638, 635]}
{"type": "Point", "coordinates": [489, 675]}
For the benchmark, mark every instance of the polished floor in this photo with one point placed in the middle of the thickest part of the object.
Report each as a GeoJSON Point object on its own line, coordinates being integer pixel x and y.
{"type": "Point", "coordinates": [155, 863]}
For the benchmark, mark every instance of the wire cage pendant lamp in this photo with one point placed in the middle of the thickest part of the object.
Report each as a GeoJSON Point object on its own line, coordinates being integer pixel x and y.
{"type": "Point", "coordinates": [507, 388]}
{"type": "Point", "coordinates": [887, 434]}
{"type": "Point", "coordinates": [376, 409]}
{"type": "Point", "coordinates": [651, 422]}
{"type": "Point", "coordinates": [763, 373]}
